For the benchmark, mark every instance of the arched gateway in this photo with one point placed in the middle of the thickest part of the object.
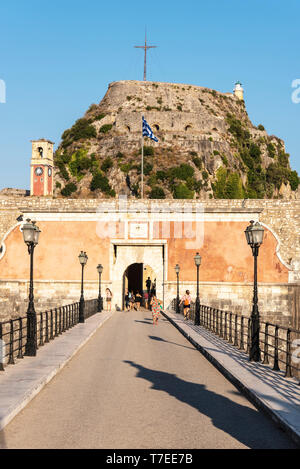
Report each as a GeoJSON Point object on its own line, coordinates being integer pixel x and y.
{"type": "Point", "coordinates": [132, 264]}
{"type": "Point", "coordinates": [135, 277]}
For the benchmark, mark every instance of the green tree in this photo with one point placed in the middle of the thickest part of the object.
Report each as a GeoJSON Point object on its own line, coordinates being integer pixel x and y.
{"type": "Point", "coordinates": [181, 191]}
{"type": "Point", "coordinates": [107, 164]}
{"type": "Point", "coordinates": [101, 182]}
{"type": "Point", "coordinates": [105, 128]}
{"type": "Point", "coordinates": [69, 189]}
{"type": "Point", "coordinates": [294, 180]}
{"type": "Point", "coordinates": [157, 193]}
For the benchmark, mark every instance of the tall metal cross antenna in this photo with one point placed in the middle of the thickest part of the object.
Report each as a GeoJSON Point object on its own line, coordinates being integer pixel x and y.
{"type": "Point", "coordinates": [145, 47]}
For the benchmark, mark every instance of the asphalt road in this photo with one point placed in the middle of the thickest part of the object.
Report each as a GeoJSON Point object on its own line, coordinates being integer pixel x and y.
{"type": "Point", "coordinates": [135, 385]}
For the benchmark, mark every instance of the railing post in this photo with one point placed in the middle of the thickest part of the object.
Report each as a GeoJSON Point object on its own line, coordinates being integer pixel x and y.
{"type": "Point", "coordinates": [3, 349]}
{"type": "Point", "coordinates": [51, 328]}
{"type": "Point", "coordinates": [288, 370]}
{"type": "Point", "coordinates": [60, 321]}
{"type": "Point", "coordinates": [41, 330]}
{"type": "Point", "coordinates": [248, 335]}
{"type": "Point", "coordinates": [225, 326]}
{"type": "Point", "coordinates": [242, 334]}
{"type": "Point", "coordinates": [11, 343]}
{"type": "Point", "coordinates": [47, 328]}
{"type": "Point", "coordinates": [56, 323]}
{"type": "Point", "coordinates": [64, 318]}
{"type": "Point", "coordinates": [20, 351]}
{"type": "Point", "coordinates": [276, 364]}
{"type": "Point", "coordinates": [235, 343]}
{"type": "Point", "coordinates": [230, 328]}
{"type": "Point", "coordinates": [266, 345]}
{"type": "Point", "coordinates": [221, 324]}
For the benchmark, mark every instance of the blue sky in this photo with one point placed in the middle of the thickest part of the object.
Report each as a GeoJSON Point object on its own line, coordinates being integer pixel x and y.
{"type": "Point", "coordinates": [58, 57]}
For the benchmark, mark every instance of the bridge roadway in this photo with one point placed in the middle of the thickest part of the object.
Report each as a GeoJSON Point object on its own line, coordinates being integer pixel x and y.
{"type": "Point", "coordinates": [136, 385]}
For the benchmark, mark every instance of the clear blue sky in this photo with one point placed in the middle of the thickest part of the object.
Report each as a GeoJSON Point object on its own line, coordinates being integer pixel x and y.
{"type": "Point", "coordinates": [58, 57]}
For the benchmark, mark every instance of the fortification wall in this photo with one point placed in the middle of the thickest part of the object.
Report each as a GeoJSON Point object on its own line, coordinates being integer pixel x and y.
{"type": "Point", "coordinates": [281, 216]}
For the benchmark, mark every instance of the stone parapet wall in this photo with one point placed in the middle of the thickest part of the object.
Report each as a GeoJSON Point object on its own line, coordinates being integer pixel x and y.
{"type": "Point", "coordinates": [277, 303]}
{"type": "Point", "coordinates": [14, 295]}
{"type": "Point", "coordinates": [281, 216]}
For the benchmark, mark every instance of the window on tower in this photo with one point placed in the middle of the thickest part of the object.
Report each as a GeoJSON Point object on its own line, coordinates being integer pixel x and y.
{"type": "Point", "coordinates": [40, 150]}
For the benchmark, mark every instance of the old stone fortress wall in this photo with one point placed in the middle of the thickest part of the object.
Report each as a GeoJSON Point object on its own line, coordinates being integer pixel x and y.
{"type": "Point", "coordinates": [118, 237]}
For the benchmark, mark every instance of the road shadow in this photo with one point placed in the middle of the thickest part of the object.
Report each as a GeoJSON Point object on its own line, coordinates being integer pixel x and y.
{"type": "Point", "coordinates": [160, 339]}
{"type": "Point", "coordinates": [244, 424]}
{"type": "Point", "coordinates": [2, 440]}
{"type": "Point", "coordinates": [144, 322]}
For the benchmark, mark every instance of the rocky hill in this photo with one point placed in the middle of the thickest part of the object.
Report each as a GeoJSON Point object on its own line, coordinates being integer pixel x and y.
{"type": "Point", "coordinates": [208, 147]}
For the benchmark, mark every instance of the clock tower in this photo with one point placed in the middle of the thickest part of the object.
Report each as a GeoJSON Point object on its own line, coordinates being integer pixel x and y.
{"type": "Point", "coordinates": [41, 174]}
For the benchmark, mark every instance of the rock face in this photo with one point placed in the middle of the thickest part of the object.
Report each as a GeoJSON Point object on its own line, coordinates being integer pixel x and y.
{"type": "Point", "coordinates": [207, 147]}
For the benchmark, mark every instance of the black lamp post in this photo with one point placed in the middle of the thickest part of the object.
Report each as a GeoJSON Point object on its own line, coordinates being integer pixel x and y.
{"type": "Point", "coordinates": [177, 270]}
{"type": "Point", "coordinates": [197, 260]}
{"type": "Point", "coordinates": [100, 299]}
{"type": "Point", "coordinates": [83, 260]}
{"type": "Point", "coordinates": [31, 237]}
{"type": "Point", "coordinates": [254, 235]}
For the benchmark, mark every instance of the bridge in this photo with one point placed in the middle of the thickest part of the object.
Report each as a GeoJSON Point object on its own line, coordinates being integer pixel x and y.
{"type": "Point", "coordinates": [119, 381]}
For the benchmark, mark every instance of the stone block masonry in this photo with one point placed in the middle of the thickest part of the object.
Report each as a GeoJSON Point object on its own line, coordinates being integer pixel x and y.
{"type": "Point", "coordinates": [279, 302]}
{"type": "Point", "coordinates": [282, 216]}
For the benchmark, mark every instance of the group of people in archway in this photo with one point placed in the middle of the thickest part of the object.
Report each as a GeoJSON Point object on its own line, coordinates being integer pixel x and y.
{"type": "Point", "coordinates": [146, 298]}
{"type": "Point", "coordinates": [134, 300]}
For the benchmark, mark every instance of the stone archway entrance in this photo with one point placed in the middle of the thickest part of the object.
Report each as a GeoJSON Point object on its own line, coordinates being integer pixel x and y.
{"type": "Point", "coordinates": [129, 261]}
{"type": "Point", "coordinates": [133, 278]}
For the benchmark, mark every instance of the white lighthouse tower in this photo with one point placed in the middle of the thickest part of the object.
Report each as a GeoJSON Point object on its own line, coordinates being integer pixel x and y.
{"type": "Point", "coordinates": [238, 90]}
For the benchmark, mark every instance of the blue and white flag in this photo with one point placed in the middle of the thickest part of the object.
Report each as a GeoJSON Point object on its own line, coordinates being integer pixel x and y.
{"type": "Point", "coordinates": [147, 132]}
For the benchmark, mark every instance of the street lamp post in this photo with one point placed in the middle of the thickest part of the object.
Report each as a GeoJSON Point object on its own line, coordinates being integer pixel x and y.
{"type": "Point", "coordinates": [177, 270]}
{"type": "Point", "coordinates": [254, 235]}
{"type": "Point", "coordinates": [100, 299]}
{"type": "Point", "coordinates": [83, 260]}
{"type": "Point", "coordinates": [197, 260]}
{"type": "Point", "coordinates": [31, 237]}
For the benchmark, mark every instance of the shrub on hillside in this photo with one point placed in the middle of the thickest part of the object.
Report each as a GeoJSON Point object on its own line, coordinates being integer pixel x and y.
{"type": "Point", "coordinates": [107, 164]}
{"type": "Point", "coordinates": [101, 182]}
{"type": "Point", "coordinates": [294, 180]}
{"type": "Point", "coordinates": [181, 191]}
{"type": "Point", "coordinates": [81, 129]}
{"type": "Point", "coordinates": [69, 189]}
{"type": "Point", "coordinates": [105, 128]}
{"type": "Point", "coordinates": [157, 193]}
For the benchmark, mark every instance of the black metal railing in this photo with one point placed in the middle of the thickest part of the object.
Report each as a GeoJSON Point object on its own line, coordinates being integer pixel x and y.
{"type": "Point", "coordinates": [50, 324]}
{"type": "Point", "coordinates": [278, 344]}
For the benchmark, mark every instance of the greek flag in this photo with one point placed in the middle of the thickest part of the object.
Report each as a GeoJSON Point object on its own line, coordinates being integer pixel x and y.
{"type": "Point", "coordinates": [147, 132]}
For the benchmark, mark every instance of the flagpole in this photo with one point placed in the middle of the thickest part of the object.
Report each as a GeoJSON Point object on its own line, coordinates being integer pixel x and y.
{"type": "Point", "coordinates": [142, 168]}
{"type": "Point", "coordinates": [142, 165]}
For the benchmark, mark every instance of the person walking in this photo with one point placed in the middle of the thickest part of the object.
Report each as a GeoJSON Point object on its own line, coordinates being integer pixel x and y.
{"type": "Point", "coordinates": [138, 300]}
{"type": "Point", "coordinates": [109, 296]}
{"type": "Point", "coordinates": [127, 302]}
{"type": "Point", "coordinates": [156, 309]}
{"type": "Point", "coordinates": [131, 300]}
{"type": "Point", "coordinates": [146, 297]}
{"type": "Point", "coordinates": [186, 301]}
{"type": "Point", "coordinates": [148, 286]}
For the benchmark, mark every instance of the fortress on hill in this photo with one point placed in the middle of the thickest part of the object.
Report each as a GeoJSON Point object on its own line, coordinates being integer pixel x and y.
{"type": "Point", "coordinates": [210, 173]}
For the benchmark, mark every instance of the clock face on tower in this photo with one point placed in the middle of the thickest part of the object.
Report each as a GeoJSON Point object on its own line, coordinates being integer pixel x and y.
{"type": "Point", "coordinates": [38, 171]}
{"type": "Point", "coordinates": [49, 172]}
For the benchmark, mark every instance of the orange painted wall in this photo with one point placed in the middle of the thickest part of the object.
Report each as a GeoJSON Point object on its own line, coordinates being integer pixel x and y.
{"type": "Point", "coordinates": [225, 253]}
{"type": "Point", "coordinates": [56, 256]}
{"type": "Point", "coordinates": [226, 257]}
